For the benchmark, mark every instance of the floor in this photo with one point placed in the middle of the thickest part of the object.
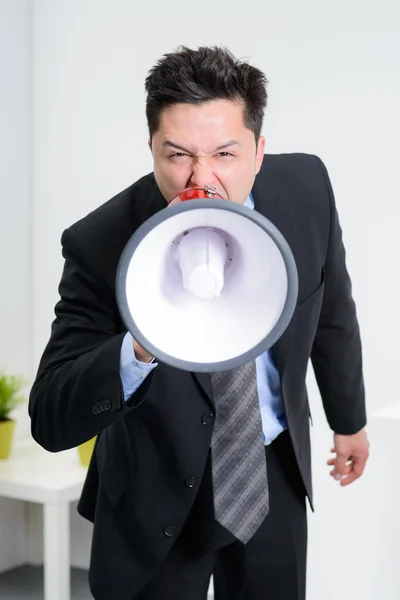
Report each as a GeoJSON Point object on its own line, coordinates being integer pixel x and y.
{"type": "Point", "coordinates": [26, 583]}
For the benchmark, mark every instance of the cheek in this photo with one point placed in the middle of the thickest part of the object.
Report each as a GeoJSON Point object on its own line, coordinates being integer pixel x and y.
{"type": "Point", "coordinates": [234, 173]}
{"type": "Point", "coordinates": [237, 182]}
{"type": "Point", "coordinates": [172, 175]}
{"type": "Point", "coordinates": [233, 168]}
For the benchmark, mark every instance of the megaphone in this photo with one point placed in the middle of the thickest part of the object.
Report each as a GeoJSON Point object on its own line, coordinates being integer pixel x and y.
{"type": "Point", "coordinates": [206, 284]}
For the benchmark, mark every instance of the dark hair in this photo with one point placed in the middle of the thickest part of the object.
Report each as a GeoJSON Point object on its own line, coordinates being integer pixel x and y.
{"type": "Point", "coordinates": [208, 73]}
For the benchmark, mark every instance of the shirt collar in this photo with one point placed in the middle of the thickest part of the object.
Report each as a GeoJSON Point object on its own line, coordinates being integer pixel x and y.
{"type": "Point", "coordinates": [249, 201]}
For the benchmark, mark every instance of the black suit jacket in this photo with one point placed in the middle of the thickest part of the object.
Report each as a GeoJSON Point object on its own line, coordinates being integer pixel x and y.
{"type": "Point", "coordinates": [151, 451]}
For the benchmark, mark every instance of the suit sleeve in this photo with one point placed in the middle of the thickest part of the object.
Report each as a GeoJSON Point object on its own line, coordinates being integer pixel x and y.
{"type": "Point", "coordinates": [78, 389]}
{"type": "Point", "coordinates": [337, 354]}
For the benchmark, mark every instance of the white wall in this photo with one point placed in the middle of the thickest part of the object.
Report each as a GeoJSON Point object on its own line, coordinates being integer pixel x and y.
{"type": "Point", "coordinates": [15, 231]}
{"type": "Point", "coordinates": [15, 174]}
{"type": "Point", "coordinates": [334, 91]}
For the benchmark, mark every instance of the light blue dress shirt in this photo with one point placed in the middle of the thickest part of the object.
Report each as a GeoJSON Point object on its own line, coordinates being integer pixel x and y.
{"type": "Point", "coordinates": [134, 372]}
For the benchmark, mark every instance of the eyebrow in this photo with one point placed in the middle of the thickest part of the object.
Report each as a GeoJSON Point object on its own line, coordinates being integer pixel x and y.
{"type": "Point", "coordinates": [178, 147]}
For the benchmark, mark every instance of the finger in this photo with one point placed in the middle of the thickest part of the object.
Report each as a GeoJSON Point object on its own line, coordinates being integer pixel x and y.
{"type": "Point", "coordinates": [348, 470]}
{"type": "Point", "coordinates": [358, 467]}
{"type": "Point", "coordinates": [340, 466]}
{"type": "Point", "coordinates": [332, 461]}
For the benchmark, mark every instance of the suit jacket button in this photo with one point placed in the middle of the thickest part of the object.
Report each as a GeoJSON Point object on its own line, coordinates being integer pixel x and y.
{"type": "Point", "coordinates": [207, 419]}
{"type": "Point", "coordinates": [95, 409]}
{"type": "Point", "coordinates": [107, 404]}
{"type": "Point", "coordinates": [190, 482]}
{"type": "Point", "coordinates": [169, 530]}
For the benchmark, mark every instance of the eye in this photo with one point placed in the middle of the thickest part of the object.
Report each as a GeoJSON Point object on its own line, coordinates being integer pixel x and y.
{"type": "Point", "coordinates": [224, 154]}
{"type": "Point", "coordinates": [177, 155]}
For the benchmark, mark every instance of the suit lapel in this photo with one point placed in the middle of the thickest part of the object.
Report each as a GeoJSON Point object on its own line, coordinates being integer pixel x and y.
{"type": "Point", "coordinates": [275, 206]}
{"type": "Point", "coordinates": [204, 381]}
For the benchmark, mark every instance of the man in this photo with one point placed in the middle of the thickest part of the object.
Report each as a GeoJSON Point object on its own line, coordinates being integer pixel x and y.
{"type": "Point", "coordinates": [152, 487]}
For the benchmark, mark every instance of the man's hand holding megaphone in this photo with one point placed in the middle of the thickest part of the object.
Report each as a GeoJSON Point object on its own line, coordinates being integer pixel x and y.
{"type": "Point", "coordinates": [141, 353]}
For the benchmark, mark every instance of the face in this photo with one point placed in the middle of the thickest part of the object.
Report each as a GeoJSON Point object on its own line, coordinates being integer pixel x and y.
{"type": "Point", "coordinates": [206, 144]}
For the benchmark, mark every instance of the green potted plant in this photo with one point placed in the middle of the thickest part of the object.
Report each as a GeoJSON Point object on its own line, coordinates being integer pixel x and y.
{"type": "Point", "coordinates": [10, 397]}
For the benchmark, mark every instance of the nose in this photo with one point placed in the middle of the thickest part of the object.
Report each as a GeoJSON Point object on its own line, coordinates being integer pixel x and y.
{"type": "Point", "coordinates": [202, 173]}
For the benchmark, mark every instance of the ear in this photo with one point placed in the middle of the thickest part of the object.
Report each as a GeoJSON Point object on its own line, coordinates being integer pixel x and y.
{"type": "Point", "coordinates": [149, 144]}
{"type": "Point", "coordinates": [260, 153]}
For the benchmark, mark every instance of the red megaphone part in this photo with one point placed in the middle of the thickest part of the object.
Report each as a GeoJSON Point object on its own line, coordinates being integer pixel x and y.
{"type": "Point", "coordinates": [195, 193]}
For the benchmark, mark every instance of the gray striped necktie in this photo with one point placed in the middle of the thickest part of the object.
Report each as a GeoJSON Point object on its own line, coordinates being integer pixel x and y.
{"type": "Point", "coordinates": [239, 471]}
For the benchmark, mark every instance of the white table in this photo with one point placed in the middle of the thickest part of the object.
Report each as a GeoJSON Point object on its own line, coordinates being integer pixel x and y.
{"type": "Point", "coordinates": [54, 480]}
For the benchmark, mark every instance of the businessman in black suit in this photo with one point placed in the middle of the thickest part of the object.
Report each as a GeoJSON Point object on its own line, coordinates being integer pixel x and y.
{"type": "Point", "coordinates": [150, 489]}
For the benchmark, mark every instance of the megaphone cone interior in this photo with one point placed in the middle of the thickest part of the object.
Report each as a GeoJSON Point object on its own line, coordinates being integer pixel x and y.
{"type": "Point", "coordinates": [206, 285]}
{"type": "Point", "coordinates": [202, 255]}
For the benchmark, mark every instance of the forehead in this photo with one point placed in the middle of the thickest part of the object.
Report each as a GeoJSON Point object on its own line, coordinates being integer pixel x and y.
{"type": "Point", "coordinates": [200, 123]}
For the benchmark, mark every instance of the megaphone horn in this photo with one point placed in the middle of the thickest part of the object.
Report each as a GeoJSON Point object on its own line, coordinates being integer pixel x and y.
{"type": "Point", "coordinates": [206, 284]}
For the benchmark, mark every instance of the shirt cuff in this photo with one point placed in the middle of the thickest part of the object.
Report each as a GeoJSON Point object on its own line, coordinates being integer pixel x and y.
{"type": "Point", "coordinates": [132, 371]}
